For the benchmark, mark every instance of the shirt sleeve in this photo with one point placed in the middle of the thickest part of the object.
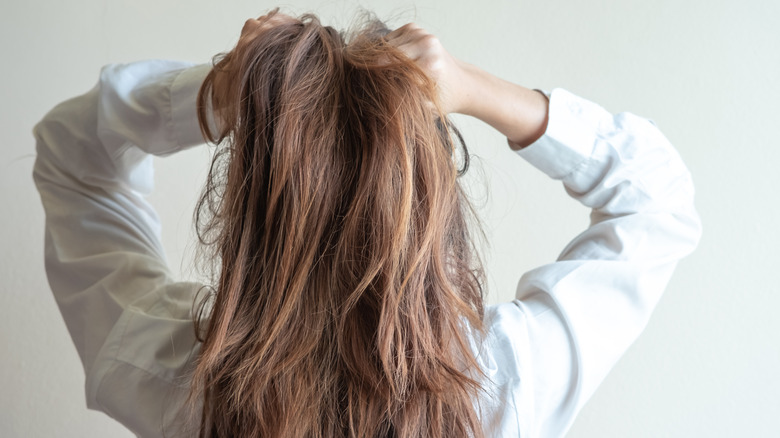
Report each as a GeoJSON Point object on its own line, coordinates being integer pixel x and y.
{"type": "Point", "coordinates": [574, 318]}
{"type": "Point", "coordinates": [130, 320]}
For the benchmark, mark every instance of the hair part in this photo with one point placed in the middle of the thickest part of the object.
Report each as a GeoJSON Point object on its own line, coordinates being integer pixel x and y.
{"type": "Point", "coordinates": [348, 287]}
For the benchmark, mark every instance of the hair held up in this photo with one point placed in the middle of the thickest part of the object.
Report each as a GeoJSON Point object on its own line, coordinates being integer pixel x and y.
{"type": "Point", "coordinates": [347, 288]}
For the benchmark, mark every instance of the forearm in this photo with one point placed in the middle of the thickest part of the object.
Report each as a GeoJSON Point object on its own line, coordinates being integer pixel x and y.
{"type": "Point", "coordinates": [517, 112]}
{"type": "Point", "coordinates": [584, 310]}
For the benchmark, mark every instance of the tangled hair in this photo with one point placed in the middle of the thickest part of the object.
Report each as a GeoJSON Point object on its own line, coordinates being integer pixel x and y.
{"type": "Point", "coordinates": [348, 287]}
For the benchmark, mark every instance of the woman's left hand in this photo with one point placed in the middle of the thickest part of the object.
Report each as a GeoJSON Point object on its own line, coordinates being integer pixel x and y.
{"type": "Point", "coordinates": [451, 75]}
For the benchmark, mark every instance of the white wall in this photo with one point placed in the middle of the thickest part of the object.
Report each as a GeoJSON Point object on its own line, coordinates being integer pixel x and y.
{"type": "Point", "coordinates": [706, 71]}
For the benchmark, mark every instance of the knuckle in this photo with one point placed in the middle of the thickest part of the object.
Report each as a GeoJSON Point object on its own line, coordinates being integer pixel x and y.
{"type": "Point", "coordinates": [430, 42]}
{"type": "Point", "coordinates": [406, 28]}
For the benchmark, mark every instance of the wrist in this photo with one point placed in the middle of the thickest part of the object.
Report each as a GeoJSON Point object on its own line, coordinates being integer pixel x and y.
{"type": "Point", "coordinates": [516, 111]}
{"type": "Point", "coordinates": [471, 88]}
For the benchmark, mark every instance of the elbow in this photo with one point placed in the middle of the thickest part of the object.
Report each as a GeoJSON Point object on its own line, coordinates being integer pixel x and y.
{"type": "Point", "coordinates": [688, 224]}
{"type": "Point", "coordinates": [672, 192]}
{"type": "Point", "coordinates": [48, 166]}
{"type": "Point", "coordinates": [65, 140]}
{"type": "Point", "coordinates": [43, 168]}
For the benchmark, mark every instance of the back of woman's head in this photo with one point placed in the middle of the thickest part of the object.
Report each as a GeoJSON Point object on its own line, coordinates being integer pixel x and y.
{"type": "Point", "coordinates": [347, 283]}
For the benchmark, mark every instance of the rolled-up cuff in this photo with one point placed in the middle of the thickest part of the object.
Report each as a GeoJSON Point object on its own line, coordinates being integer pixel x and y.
{"type": "Point", "coordinates": [572, 130]}
{"type": "Point", "coordinates": [184, 110]}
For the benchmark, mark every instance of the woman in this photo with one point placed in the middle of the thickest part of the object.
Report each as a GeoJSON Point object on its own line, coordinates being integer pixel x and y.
{"type": "Point", "coordinates": [348, 298]}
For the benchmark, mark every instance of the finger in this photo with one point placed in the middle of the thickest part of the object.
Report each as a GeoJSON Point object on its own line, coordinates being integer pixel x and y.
{"type": "Point", "coordinates": [278, 18]}
{"type": "Point", "coordinates": [254, 23]}
{"type": "Point", "coordinates": [421, 46]}
{"type": "Point", "coordinates": [268, 14]}
{"type": "Point", "coordinates": [412, 50]}
{"type": "Point", "coordinates": [401, 30]}
{"type": "Point", "coordinates": [404, 34]}
{"type": "Point", "coordinates": [254, 26]}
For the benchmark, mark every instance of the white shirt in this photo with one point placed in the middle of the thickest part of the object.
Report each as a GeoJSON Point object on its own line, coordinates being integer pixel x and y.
{"type": "Point", "coordinates": [544, 353]}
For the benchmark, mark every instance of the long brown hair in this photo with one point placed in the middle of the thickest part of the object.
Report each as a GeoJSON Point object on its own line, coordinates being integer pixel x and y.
{"type": "Point", "coordinates": [348, 287]}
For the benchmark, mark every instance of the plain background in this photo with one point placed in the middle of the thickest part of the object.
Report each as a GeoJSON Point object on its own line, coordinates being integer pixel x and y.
{"type": "Point", "coordinates": [705, 71]}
